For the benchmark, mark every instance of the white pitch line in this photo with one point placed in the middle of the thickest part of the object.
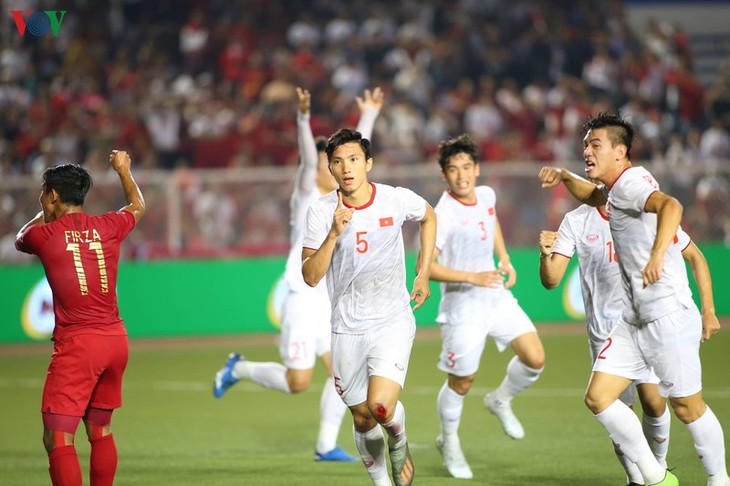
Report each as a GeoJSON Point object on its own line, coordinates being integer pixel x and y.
{"type": "Point", "coordinates": [248, 387]}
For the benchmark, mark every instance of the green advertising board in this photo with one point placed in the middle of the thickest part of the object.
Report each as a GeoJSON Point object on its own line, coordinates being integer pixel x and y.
{"type": "Point", "coordinates": [193, 297]}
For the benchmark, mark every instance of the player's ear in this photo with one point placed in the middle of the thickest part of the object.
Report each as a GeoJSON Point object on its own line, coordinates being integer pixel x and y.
{"type": "Point", "coordinates": [369, 164]}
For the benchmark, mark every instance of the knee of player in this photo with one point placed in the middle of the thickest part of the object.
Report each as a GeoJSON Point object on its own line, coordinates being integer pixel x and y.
{"type": "Point", "coordinates": [688, 409]}
{"type": "Point", "coordinates": [363, 422]}
{"type": "Point", "coordinates": [381, 412]}
{"type": "Point", "coordinates": [536, 361]}
{"type": "Point", "coordinates": [594, 402]}
{"type": "Point", "coordinates": [298, 387]}
{"type": "Point", "coordinates": [298, 380]}
{"type": "Point", "coordinates": [461, 384]}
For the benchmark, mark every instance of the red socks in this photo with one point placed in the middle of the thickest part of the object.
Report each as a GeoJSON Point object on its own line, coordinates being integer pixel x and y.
{"type": "Point", "coordinates": [103, 462]}
{"type": "Point", "coordinates": [64, 466]}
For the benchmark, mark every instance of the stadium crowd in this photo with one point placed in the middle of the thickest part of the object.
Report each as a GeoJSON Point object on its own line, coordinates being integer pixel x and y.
{"type": "Point", "coordinates": [210, 84]}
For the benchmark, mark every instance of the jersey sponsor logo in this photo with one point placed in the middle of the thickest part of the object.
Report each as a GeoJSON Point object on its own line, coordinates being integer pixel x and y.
{"type": "Point", "coordinates": [385, 222]}
{"type": "Point", "coordinates": [490, 211]}
{"type": "Point", "coordinates": [592, 238]}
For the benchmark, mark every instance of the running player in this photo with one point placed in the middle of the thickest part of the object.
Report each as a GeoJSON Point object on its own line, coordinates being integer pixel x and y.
{"type": "Point", "coordinates": [305, 320]}
{"type": "Point", "coordinates": [353, 236]}
{"type": "Point", "coordinates": [476, 301]}
{"type": "Point", "coordinates": [661, 327]}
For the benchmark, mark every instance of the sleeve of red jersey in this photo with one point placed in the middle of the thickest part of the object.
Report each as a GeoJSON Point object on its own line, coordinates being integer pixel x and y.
{"type": "Point", "coordinates": [123, 222]}
{"type": "Point", "coordinates": [29, 240]}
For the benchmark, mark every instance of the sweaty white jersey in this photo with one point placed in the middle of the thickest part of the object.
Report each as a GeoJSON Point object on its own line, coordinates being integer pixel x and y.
{"type": "Point", "coordinates": [465, 240]}
{"type": "Point", "coordinates": [306, 192]}
{"type": "Point", "coordinates": [633, 230]}
{"type": "Point", "coordinates": [367, 276]}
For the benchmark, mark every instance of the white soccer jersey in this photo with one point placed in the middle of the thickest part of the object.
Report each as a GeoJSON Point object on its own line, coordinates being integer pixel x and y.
{"type": "Point", "coordinates": [633, 230]}
{"type": "Point", "coordinates": [465, 239]}
{"type": "Point", "coordinates": [306, 192]}
{"type": "Point", "coordinates": [586, 232]}
{"type": "Point", "coordinates": [367, 276]}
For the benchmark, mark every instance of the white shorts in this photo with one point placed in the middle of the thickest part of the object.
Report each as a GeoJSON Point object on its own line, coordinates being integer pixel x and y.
{"type": "Point", "coordinates": [306, 331]}
{"type": "Point", "coordinates": [383, 352]}
{"type": "Point", "coordinates": [669, 345]}
{"type": "Point", "coordinates": [462, 343]}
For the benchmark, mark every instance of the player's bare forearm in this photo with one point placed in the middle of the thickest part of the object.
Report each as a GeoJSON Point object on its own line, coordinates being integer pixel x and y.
{"type": "Point", "coordinates": [582, 189]}
{"type": "Point", "coordinates": [552, 270]}
{"type": "Point", "coordinates": [703, 279]}
{"type": "Point", "coordinates": [552, 266]}
{"type": "Point", "coordinates": [121, 163]}
{"type": "Point", "coordinates": [315, 263]}
{"type": "Point", "coordinates": [669, 216]}
{"type": "Point", "coordinates": [427, 237]}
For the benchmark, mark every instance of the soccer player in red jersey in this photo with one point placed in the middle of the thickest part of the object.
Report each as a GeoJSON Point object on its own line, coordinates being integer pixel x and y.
{"type": "Point", "coordinates": [80, 255]}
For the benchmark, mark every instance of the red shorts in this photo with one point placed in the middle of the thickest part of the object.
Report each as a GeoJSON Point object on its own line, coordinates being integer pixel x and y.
{"type": "Point", "coordinates": [86, 370]}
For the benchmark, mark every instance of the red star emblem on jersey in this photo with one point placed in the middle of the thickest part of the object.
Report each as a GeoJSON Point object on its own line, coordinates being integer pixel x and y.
{"type": "Point", "coordinates": [385, 222]}
{"type": "Point", "coordinates": [490, 211]}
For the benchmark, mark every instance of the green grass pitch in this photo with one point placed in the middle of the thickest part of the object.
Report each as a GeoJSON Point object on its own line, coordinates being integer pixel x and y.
{"type": "Point", "coordinates": [171, 431]}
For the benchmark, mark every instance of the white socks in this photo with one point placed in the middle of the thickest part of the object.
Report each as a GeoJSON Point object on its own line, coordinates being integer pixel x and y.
{"type": "Point", "coordinates": [396, 428]}
{"type": "Point", "coordinates": [709, 442]}
{"type": "Point", "coordinates": [371, 446]}
{"type": "Point", "coordinates": [519, 376]}
{"type": "Point", "coordinates": [656, 431]}
{"type": "Point", "coordinates": [269, 375]}
{"type": "Point", "coordinates": [331, 411]}
{"type": "Point", "coordinates": [624, 428]}
{"type": "Point", "coordinates": [450, 405]}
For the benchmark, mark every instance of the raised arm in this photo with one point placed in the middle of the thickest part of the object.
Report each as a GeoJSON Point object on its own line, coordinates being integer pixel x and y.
{"type": "Point", "coordinates": [370, 105]}
{"type": "Point", "coordinates": [307, 173]}
{"type": "Point", "coordinates": [669, 215]}
{"type": "Point", "coordinates": [427, 236]}
{"type": "Point", "coordinates": [552, 265]}
{"type": "Point", "coordinates": [582, 189]}
{"type": "Point", "coordinates": [120, 161]}
{"type": "Point", "coordinates": [701, 274]}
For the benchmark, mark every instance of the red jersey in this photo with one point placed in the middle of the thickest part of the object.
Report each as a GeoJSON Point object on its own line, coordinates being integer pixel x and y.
{"type": "Point", "coordinates": [80, 254]}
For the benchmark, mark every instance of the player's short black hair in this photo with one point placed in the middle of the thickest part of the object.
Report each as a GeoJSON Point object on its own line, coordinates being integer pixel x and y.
{"type": "Point", "coordinates": [343, 136]}
{"type": "Point", "coordinates": [71, 181]}
{"type": "Point", "coordinates": [461, 144]}
{"type": "Point", "coordinates": [620, 131]}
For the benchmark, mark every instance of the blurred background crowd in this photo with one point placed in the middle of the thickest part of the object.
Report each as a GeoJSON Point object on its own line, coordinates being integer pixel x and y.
{"type": "Point", "coordinates": [186, 86]}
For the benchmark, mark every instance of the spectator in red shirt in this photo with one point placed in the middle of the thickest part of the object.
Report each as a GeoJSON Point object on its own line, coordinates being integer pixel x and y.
{"type": "Point", "coordinates": [80, 254]}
